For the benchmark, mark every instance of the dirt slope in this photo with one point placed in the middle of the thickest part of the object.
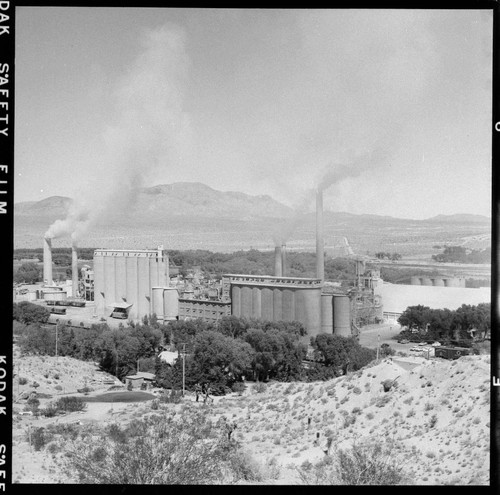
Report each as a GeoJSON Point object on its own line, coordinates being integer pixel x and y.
{"type": "Point", "coordinates": [437, 412]}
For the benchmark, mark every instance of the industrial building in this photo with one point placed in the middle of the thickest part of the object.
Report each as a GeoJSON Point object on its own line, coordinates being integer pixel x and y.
{"type": "Point", "coordinates": [438, 281]}
{"type": "Point", "coordinates": [124, 282]}
{"type": "Point", "coordinates": [208, 310]}
{"type": "Point", "coordinates": [131, 284]}
{"type": "Point", "coordinates": [398, 297]}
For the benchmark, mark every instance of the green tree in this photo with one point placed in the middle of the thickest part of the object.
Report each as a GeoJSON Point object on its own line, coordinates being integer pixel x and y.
{"type": "Point", "coordinates": [415, 317]}
{"type": "Point", "coordinates": [29, 313]}
{"type": "Point", "coordinates": [220, 360]}
{"type": "Point", "coordinates": [28, 273]}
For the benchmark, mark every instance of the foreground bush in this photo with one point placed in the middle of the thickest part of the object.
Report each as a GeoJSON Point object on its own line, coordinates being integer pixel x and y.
{"type": "Point", "coordinates": [159, 449]}
{"type": "Point", "coordinates": [368, 463]}
{"type": "Point", "coordinates": [70, 404]}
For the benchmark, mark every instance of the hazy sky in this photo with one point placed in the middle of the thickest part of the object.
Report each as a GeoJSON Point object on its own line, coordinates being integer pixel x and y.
{"type": "Point", "coordinates": [396, 105]}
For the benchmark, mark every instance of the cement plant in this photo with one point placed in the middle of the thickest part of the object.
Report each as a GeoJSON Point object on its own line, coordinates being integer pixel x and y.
{"type": "Point", "coordinates": [125, 288]}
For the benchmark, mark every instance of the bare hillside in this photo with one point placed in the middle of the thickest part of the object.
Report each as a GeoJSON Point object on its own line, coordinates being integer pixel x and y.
{"type": "Point", "coordinates": [436, 417]}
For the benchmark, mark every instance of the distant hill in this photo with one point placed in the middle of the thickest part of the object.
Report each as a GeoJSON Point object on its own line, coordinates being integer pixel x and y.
{"type": "Point", "coordinates": [195, 198]}
{"type": "Point", "coordinates": [178, 199]}
{"type": "Point", "coordinates": [460, 218]}
{"type": "Point", "coordinates": [53, 206]}
{"type": "Point", "coordinates": [188, 215]}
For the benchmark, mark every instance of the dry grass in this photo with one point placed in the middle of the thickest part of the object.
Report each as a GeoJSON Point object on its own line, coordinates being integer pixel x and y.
{"type": "Point", "coordinates": [443, 426]}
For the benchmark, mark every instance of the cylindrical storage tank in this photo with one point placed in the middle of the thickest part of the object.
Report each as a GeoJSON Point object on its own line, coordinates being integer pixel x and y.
{"type": "Point", "coordinates": [288, 313]}
{"type": "Point", "coordinates": [452, 282]}
{"type": "Point", "coordinates": [54, 295]}
{"type": "Point", "coordinates": [235, 300]}
{"type": "Point", "coordinates": [311, 310]}
{"type": "Point", "coordinates": [426, 281]}
{"type": "Point", "coordinates": [131, 284]}
{"type": "Point", "coordinates": [326, 313]}
{"type": "Point", "coordinates": [246, 302]}
{"type": "Point", "coordinates": [143, 306]}
{"type": "Point", "coordinates": [277, 262]}
{"type": "Point", "coordinates": [99, 283]}
{"type": "Point", "coordinates": [157, 302]}
{"type": "Point", "coordinates": [267, 304]}
{"type": "Point", "coordinates": [256, 302]}
{"type": "Point", "coordinates": [170, 304]}
{"type": "Point", "coordinates": [47, 261]}
{"type": "Point", "coordinates": [121, 278]}
{"type": "Point", "coordinates": [438, 282]}
{"type": "Point", "coordinates": [415, 281]}
{"type": "Point", "coordinates": [153, 272]}
{"type": "Point", "coordinates": [277, 304]}
{"type": "Point", "coordinates": [109, 280]}
{"type": "Point", "coordinates": [341, 315]}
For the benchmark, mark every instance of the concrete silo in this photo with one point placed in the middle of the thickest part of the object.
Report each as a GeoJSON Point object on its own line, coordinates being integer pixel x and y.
{"type": "Point", "coordinates": [170, 304]}
{"type": "Point", "coordinates": [327, 313]}
{"type": "Point", "coordinates": [128, 276]}
{"type": "Point", "coordinates": [157, 302]}
{"type": "Point", "coordinates": [341, 315]}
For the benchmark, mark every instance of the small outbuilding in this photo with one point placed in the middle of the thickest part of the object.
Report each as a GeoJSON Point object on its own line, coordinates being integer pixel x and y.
{"type": "Point", "coordinates": [136, 381]}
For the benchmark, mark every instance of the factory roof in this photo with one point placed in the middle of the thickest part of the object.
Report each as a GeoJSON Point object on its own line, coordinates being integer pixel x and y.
{"type": "Point", "coordinates": [397, 297]}
{"type": "Point", "coordinates": [273, 280]}
{"type": "Point", "coordinates": [141, 374]}
{"type": "Point", "coordinates": [121, 305]}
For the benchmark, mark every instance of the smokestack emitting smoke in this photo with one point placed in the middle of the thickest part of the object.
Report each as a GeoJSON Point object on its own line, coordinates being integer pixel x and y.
{"type": "Point", "coordinates": [320, 243]}
{"type": "Point", "coordinates": [74, 269]}
{"type": "Point", "coordinates": [47, 261]}
{"type": "Point", "coordinates": [148, 130]}
{"type": "Point", "coordinates": [278, 272]}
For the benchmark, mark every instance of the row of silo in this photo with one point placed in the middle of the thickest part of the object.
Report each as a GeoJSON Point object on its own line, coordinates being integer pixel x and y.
{"type": "Point", "coordinates": [286, 299]}
{"type": "Point", "coordinates": [336, 314]}
{"type": "Point", "coordinates": [274, 302]}
{"type": "Point", "coordinates": [438, 281]}
{"type": "Point", "coordinates": [165, 303]}
{"type": "Point", "coordinates": [127, 276]}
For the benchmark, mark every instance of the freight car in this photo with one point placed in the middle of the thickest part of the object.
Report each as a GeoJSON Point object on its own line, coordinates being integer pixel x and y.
{"type": "Point", "coordinates": [451, 352]}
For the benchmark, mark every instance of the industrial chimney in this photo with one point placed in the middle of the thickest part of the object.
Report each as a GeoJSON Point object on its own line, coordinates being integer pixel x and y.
{"type": "Point", "coordinates": [74, 269]}
{"type": "Point", "coordinates": [320, 243]}
{"type": "Point", "coordinates": [47, 261]}
{"type": "Point", "coordinates": [278, 271]}
{"type": "Point", "coordinates": [283, 260]}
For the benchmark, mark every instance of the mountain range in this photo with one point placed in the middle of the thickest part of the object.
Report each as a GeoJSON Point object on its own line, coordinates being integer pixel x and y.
{"type": "Point", "coordinates": [195, 216]}
{"type": "Point", "coordinates": [197, 199]}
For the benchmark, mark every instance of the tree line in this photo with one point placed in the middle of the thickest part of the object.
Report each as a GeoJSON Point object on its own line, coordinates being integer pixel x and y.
{"type": "Point", "coordinates": [445, 325]}
{"type": "Point", "coordinates": [459, 254]}
{"type": "Point", "coordinates": [222, 354]}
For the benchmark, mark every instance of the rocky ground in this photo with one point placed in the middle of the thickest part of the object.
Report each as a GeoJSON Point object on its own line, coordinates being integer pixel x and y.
{"type": "Point", "coordinates": [436, 413]}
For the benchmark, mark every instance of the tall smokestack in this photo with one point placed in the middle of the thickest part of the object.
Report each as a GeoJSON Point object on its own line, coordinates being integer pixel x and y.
{"type": "Point", "coordinates": [47, 261]}
{"type": "Point", "coordinates": [278, 272]}
{"type": "Point", "coordinates": [283, 260]}
{"type": "Point", "coordinates": [320, 243]}
{"type": "Point", "coordinates": [74, 269]}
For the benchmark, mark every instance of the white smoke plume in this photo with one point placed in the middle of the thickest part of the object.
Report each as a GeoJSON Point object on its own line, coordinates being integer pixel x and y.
{"type": "Point", "coordinates": [148, 131]}
{"type": "Point", "coordinates": [337, 172]}
{"type": "Point", "coordinates": [333, 173]}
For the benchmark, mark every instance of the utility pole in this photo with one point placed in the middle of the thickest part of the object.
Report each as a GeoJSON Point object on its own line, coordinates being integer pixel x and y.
{"type": "Point", "coordinates": [57, 325]}
{"type": "Point", "coordinates": [183, 369]}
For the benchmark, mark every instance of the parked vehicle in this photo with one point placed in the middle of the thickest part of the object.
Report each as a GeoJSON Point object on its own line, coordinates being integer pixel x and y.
{"type": "Point", "coordinates": [451, 352]}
